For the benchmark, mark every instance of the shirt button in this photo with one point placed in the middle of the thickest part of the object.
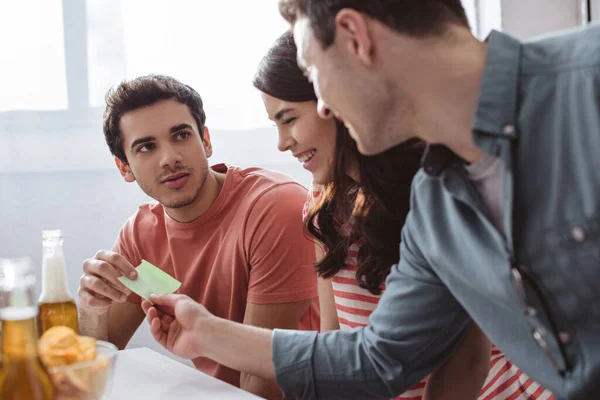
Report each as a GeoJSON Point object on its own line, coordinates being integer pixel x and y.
{"type": "Point", "coordinates": [509, 130]}
{"type": "Point", "coordinates": [537, 335]}
{"type": "Point", "coordinates": [578, 234]}
{"type": "Point", "coordinates": [530, 312]}
{"type": "Point", "coordinates": [564, 337]}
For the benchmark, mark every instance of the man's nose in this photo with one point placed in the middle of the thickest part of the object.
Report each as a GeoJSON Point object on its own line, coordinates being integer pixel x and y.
{"type": "Point", "coordinates": [170, 157]}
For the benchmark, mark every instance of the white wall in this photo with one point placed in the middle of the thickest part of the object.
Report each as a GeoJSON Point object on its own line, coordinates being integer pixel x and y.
{"type": "Point", "coordinates": [527, 18]}
{"type": "Point", "coordinates": [595, 10]}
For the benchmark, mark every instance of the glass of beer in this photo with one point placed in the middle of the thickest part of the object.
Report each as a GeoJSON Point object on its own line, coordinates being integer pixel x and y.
{"type": "Point", "coordinates": [22, 374]}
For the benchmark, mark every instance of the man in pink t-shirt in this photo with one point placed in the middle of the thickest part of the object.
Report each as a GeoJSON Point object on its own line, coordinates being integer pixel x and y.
{"type": "Point", "coordinates": [233, 237]}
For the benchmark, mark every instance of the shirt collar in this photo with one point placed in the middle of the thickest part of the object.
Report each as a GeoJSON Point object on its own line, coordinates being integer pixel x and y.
{"type": "Point", "coordinates": [496, 105]}
{"type": "Point", "coordinates": [437, 158]}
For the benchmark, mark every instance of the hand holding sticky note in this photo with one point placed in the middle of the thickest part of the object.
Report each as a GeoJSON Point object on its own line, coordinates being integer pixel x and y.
{"type": "Point", "coordinates": [150, 280]}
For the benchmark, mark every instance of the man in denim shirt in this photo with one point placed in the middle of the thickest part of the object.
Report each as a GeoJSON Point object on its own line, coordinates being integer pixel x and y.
{"type": "Point", "coordinates": [505, 219]}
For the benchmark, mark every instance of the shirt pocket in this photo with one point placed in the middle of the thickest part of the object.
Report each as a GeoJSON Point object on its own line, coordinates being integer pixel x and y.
{"type": "Point", "coordinates": [570, 268]}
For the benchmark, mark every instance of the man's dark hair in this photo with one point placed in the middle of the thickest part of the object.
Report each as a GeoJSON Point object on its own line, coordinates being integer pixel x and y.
{"type": "Point", "coordinates": [416, 18]}
{"type": "Point", "coordinates": [141, 92]}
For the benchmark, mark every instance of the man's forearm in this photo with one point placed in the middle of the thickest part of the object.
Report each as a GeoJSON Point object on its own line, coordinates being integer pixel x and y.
{"type": "Point", "coordinates": [227, 342]}
{"type": "Point", "coordinates": [92, 323]}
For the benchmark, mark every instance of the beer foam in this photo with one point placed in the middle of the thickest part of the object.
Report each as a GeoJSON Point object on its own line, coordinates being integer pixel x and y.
{"type": "Point", "coordinates": [54, 280]}
{"type": "Point", "coordinates": [18, 313]}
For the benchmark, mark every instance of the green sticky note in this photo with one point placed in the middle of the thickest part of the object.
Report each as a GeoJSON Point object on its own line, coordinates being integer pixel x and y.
{"type": "Point", "coordinates": [150, 280]}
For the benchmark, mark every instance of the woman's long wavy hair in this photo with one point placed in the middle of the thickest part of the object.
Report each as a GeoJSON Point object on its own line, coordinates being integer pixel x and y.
{"type": "Point", "coordinates": [372, 210]}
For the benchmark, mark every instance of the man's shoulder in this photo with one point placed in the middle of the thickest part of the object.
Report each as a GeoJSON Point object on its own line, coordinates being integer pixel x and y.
{"type": "Point", "coordinates": [572, 49]}
{"type": "Point", "coordinates": [265, 177]}
{"type": "Point", "coordinates": [259, 183]}
{"type": "Point", "coordinates": [147, 215]}
{"type": "Point", "coordinates": [429, 199]}
{"type": "Point", "coordinates": [262, 197]}
{"type": "Point", "coordinates": [144, 229]}
{"type": "Point", "coordinates": [425, 188]}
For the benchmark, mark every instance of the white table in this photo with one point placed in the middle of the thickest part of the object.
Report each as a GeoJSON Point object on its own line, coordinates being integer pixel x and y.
{"type": "Point", "coordinates": [144, 374]}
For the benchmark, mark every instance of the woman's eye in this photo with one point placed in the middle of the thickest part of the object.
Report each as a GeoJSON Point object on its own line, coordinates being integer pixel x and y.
{"type": "Point", "coordinates": [289, 121]}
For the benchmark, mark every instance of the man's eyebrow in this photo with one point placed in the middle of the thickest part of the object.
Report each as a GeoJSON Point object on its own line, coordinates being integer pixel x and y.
{"type": "Point", "coordinates": [141, 141]}
{"type": "Point", "coordinates": [281, 113]}
{"type": "Point", "coordinates": [180, 127]}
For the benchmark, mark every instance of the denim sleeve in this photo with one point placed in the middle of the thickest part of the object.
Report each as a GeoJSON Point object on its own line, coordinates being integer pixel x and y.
{"type": "Point", "coordinates": [415, 328]}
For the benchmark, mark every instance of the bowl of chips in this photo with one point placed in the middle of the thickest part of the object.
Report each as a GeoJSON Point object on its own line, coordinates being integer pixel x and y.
{"type": "Point", "coordinates": [81, 367]}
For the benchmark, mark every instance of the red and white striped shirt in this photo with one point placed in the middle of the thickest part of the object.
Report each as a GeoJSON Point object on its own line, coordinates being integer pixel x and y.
{"type": "Point", "coordinates": [354, 305]}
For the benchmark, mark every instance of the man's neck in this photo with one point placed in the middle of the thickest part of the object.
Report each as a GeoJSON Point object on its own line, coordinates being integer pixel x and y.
{"type": "Point", "coordinates": [449, 94]}
{"type": "Point", "coordinates": [210, 192]}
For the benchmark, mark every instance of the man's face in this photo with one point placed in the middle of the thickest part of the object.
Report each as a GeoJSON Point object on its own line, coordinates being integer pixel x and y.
{"type": "Point", "coordinates": [354, 90]}
{"type": "Point", "coordinates": [165, 153]}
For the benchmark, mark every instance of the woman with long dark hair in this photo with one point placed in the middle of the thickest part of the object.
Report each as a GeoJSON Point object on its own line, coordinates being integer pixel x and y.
{"type": "Point", "coordinates": [355, 213]}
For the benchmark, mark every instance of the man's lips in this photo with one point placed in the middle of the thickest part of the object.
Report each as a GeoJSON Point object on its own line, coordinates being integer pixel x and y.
{"type": "Point", "coordinates": [173, 177]}
{"type": "Point", "coordinates": [176, 181]}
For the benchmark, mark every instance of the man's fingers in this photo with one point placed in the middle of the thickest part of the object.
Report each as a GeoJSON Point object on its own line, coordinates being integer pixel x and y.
{"type": "Point", "coordinates": [97, 286]}
{"type": "Point", "coordinates": [159, 335]}
{"type": "Point", "coordinates": [171, 335]}
{"type": "Point", "coordinates": [166, 302]}
{"type": "Point", "coordinates": [152, 314]}
{"type": "Point", "coordinates": [166, 318]}
{"type": "Point", "coordinates": [117, 261]}
{"type": "Point", "coordinates": [106, 272]}
{"type": "Point", "coordinates": [146, 306]}
{"type": "Point", "coordinates": [164, 324]}
{"type": "Point", "coordinates": [165, 310]}
{"type": "Point", "coordinates": [154, 324]}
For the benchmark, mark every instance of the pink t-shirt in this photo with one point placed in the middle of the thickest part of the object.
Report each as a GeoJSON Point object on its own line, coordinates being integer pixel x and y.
{"type": "Point", "coordinates": [249, 246]}
{"type": "Point", "coordinates": [354, 305]}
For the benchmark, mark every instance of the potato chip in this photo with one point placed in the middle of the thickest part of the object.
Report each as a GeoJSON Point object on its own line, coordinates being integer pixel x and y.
{"type": "Point", "coordinates": [60, 337]}
{"type": "Point", "coordinates": [60, 346]}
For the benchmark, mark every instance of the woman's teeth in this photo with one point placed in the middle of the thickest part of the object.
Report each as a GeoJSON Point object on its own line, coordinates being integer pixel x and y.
{"type": "Point", "coordinates": [307, 156]}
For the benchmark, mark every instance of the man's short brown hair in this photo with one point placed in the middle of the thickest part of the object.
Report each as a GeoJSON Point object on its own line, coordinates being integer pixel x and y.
{"type": "Point", "coordinates": [410, 17]}
{"type": "Point", "coordinates": [141, 92]}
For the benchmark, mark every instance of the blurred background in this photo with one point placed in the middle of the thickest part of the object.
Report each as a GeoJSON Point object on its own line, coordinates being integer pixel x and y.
{"type": "Point", "coordinates": [59, 57]}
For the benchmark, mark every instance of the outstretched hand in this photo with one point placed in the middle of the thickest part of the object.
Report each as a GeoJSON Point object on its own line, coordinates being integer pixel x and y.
{"type": "Point", "coordinates": [176, 323]}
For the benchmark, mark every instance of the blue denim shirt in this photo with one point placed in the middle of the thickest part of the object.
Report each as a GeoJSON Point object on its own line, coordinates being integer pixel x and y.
{"type": "Point", "coordinates": [535, 293]}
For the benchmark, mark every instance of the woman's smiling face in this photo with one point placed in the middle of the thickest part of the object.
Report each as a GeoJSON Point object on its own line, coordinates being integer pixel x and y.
{"type": "Point", "coordinates": [310, 138]}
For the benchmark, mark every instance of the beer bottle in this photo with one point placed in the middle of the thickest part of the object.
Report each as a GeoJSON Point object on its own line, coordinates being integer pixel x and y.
{"type": "Point", "coordinates": [57, 306]}
{"type": "Point", "coordinates": [22, 375]}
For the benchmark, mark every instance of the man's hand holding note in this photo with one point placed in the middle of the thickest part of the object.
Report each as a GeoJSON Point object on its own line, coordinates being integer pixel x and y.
{"type": "Point", "coordinates": [150, 280]}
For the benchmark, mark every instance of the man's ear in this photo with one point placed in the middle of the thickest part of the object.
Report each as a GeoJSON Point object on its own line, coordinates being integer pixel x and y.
{"type": "Point", "coordinates": [352, 27]}
{"type": "Point", "coordinates": [207, 144]}
{"type": "Point", "coordinates": [124, 169]}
